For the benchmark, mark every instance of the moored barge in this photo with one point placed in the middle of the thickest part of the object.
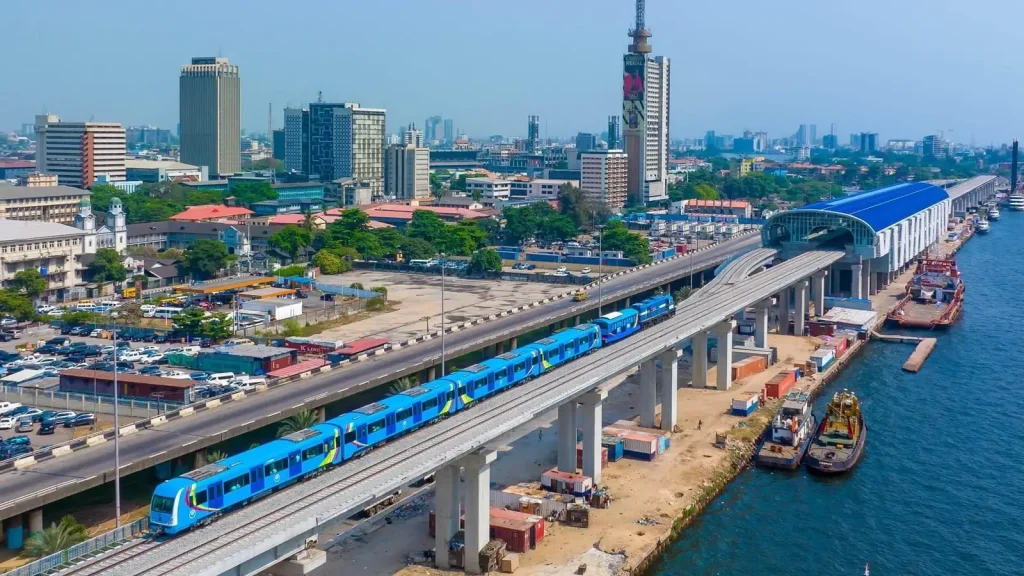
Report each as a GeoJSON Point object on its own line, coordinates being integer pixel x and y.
{"type": "Point", "coordinates": [839, 441]}
{"type": "Point", "coordinates": [786, 442]}
{"type": "Point", "coordinates": [934, 296]}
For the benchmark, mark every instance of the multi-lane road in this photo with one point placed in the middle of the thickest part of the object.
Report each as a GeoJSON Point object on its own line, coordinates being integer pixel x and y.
{"type": "Point", "coordinates": [56, 478]}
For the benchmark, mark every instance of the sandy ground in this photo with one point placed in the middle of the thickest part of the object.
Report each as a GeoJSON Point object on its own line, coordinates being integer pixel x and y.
{"type": "Point", "coordinates": [420, 297]}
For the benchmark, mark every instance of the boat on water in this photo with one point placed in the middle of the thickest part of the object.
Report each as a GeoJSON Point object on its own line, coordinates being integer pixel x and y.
{"type": "Point", "coordinates": [839, 442]}
{"type": "Point", "coordinates": [982, 227]}
{"type": "Point", "coordinates": [1015, 202]}
{"type": "Point", "coordinates": [993, 213]}
{"type": "Point", "coordinates": [933, 298]}
{"type": "Point", "coordinates": [786, 443]}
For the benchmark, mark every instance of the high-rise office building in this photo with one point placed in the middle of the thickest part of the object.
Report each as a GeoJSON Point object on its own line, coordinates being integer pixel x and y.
{"type": "Point", "coordinates": [296, 139]}
{"type": "Point", "coordinates": [613, 132]}
{"type": "Point", "coordinates": [347, 141]}
{"type": "Point", "coordinates": [211, 115]}
{"type": "Point", "coordinates": [412, 137]}
{"type": "Point", "coordinates": [79, 152]}
{"type": "Point", "coordinates": [585, 142]}
{"type": "Point", "coordinates": [932, 145]}
{"type": "Point", "coordinates": [868, 142]}
{"type": "Point", "coordinates": [449, 131]}
{"type": "Point", "coordinates": [805, 135]}
{"type": "Point", "coordinates": [406, 172]}
{"type": "Point", "coordinates": [533, 134]}
{"type": "Point", "coordinates": [645, 116]}
{"type": "Point", "coordinates": [830, 141]}
{"type": "Point", "coordinates": [278, 143]}
{"type": "Point", "coordinates": [603, 177]}
{"type": "Point", "coordinates": [855, 141]}
{"type": "Point", "coordinates": [432, 129]}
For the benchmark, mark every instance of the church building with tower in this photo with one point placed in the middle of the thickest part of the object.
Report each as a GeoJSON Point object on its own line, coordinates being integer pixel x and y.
{"type": "Point", "coordinates": [114, 232]}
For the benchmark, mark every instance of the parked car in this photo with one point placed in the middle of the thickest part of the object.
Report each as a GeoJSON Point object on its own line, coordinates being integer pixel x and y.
{"type": "Point", "coordinates": [6, 407]}
{"type": "Point", "coordinates": [47, 427]}
{"type": "Point", "coordinates": [7, 357]}
{"type": "Point", "coordinates": [300, 293]}
{"type": "Point", "coordinates": [97, 333]}
{"type": "Point", "coordinates": [7, 422]}
{"type": "Point", "coordinates": [91, 351]}
{"type": "Point", "coordinates": [8, 321]}
{"type": "Point", "coordinates": [531, 267]}
{"type": "Point", "coordinates": [151, 358]}
{"type": "Point", "coordinates": [81, 420]}
{"type": "Point", "coordinates": [150, 370]}
{"type": "Point", "coordinates": [58, 341]}
{"type": "Point", "coordinates": [199, 376]}
{"type": "Point", "coordinates": [206, 342]}
{"type": "Point", "coordinates": [8, 451]}
{"type": "Point", "coordinates": [47, 349]}
{"type": "Point", "coordinates": [160, 338]}
{"type": "Point", "coordinates": [31, 414]}
{"type": "Point", "coordinates": [327, 297]}
{"type": "Point", "coordinates": [60, 417]}
{"type": "Point", "coordinates": [6, 337]}
{"type": "Point", "coordinates": [149, 337]}
{"type": "Point", "coordinates": [586, 270]}
{"type": "Point", "coordinates": [17, 441]}
{"type": "Point", "coordinates": [23, 424]}
{"type": "Point", "coordinates": [562, 269]}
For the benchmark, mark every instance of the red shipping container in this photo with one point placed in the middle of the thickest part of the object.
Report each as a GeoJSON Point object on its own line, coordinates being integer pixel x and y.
{"type": "Point", "coordinates": [820, 329]}
{"type": "Point", "coordinates": [515, 533]}
{"type": "Point", "coordinates": [748, 367]}
{"type": "Point", "coordinates": [779, 385]}
{"type": "Point", "coordinates": [537, 522]}
{"type": "Point", "coordinates": [579, 457]}
{"type": "Point", "coordinates": [681, 248]}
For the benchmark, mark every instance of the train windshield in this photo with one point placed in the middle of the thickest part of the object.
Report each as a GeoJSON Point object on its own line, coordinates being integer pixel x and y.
{"type": "Point", "coordinates": [162, 504]}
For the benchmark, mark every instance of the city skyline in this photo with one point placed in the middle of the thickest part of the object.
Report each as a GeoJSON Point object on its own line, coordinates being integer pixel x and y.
{"type": "Point", "coordinates": [862, 84]}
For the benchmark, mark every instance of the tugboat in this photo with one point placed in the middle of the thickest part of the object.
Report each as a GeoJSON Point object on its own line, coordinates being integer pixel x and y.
{"type": "Point", "coordinates": [934, 296]}
{"type": "Point", "coordinates": [983, 227]}
{"type": "Point", "coordinates": [790, 434]}
{"type": "Point", "coordinates": [839, 441]}
{"type": "Point", "coordinates": [993, 212]}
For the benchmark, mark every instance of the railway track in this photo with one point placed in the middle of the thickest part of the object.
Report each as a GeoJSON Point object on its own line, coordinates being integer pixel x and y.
{"type": "Point", "coordinates": [448, 439]}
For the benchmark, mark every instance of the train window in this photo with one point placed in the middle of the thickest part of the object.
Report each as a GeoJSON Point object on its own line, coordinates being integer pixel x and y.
{"type": "Point", "coordinates": [480, 384]}
{"type": "Point", "coordinates": [375, 426]}
{"type": "Point", "coordinates": [403, 414]}
{"type": "Point", "coordinates": [519, 367]}
{"type": "Point", "coordinates": [200, 498]}
{"type": "Point", "coordinates": [350, 437]}
{"type": "Point", "coordinates": [236, 483]}
{"type": "Point", "coordinates": [429, 404]}
{"type": "Point", "coordinates": [312, 452]}
{"type": "Point", "coordinates": [501, 375]}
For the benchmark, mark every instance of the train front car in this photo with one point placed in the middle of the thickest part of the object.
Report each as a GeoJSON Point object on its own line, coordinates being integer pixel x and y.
{"type": "Point", "coordinates": [616, 326]}
{"type": "Point", "coordinates": [168, 511]}
{"type": "Point", "coordinates": [655, 309]}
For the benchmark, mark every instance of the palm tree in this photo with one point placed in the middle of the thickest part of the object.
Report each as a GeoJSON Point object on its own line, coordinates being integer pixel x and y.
{"type": "Point", "coordinates": [682, 294]}
{"type": "Point", "coordinates": [57, 537]}
{"type": "Point", "coordinates": [299, 421]}
{"type": "Point", "coordinates": [402, 384]}
{"type": "Point", "coordinates": [215, 456]}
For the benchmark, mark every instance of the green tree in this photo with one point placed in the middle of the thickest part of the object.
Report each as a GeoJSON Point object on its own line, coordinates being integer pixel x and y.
{"type": "Point", "coordinates": [572, 202]}
{"type": "Point", "coordinates": [291, 240]}
{"type": "Point", "coordinates": [268, 164]}
{"type": "Point", "coordinates": [79, 318]}
{"type": "Point", "coordinates": [291, 328]}
{"type": "Point", "coordinates": [218, 327]}
{"type": "Point", "coordinates": [557, 227]}
{"type": "Point", "coordinates": [297, 422]}
{"type": "Point", "coordinates": [248, 193]}
{"type": "Point", "coordinates": [486, 260]}
{"type": "Point", "coordinates": [190, 321]}
{"type": "Point", "coordinates": [457, 241]}
{"type": "Point", "coordinates": [435, 182]}
{"type": "Point", "coordinates": [296, 270]}
{"type": "Point", "coordinates": [633, 246]}
{"type": "Point", "coordinates": [16, 305]}
{"type": "Point", "coordinates": [329, 263]}
{"type": "Point", "coordinates": [390, 241]}
{"type": "Point", "coordinates": [520, 224]}
{"type": "Point", "coordinates": [56, 538]}
{"type": "Point", "coordinates": [350, 220]}
{"type": "Point", "coordinates": [28, 282]}
{"type": "Point", "coordinates": [477, 195]}
{"type": "Point", "coordinates": [215, 456]}
{"type": "Point", "coordinates": [417, 249]}
{"type": "Point", "coordinates": [204, 258]}
{"type": "Point", "coordinates": [366, 244]}
{"type": "Point", "coordinates": [681, 294]}
{"type": "Point", "coordinates": [402, 384]}
{"type": "Point", "coordinates": [107, 266]}
{"type": "Point", "coordinates": [425, 225]}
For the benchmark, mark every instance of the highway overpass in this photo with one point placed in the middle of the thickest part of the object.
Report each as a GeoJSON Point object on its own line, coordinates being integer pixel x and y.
{"type": "Point", "coordinates": [26, 489]}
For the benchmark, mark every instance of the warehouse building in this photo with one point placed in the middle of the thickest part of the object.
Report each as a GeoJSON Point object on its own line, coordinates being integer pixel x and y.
{"type": "Point", "coordinates": [137, 386]}
{"type": "Point", "coordinates": [246, 359]}
{"type": "Point", "coordinates": [277, 308]}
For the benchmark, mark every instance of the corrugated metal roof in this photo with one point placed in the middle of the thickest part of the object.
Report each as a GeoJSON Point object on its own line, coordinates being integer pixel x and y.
{"type": "Point", "coordinates": [883, 207]}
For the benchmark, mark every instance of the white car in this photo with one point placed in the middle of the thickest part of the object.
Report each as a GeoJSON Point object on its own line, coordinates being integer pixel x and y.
{"type": "Point", "coordinates": [8, 322]}
{"type": "Point", "coordinates": [55, 313]}
{"type": "Point", "coordinates": [223, 378]}
{"type": "Point", "coordinates": [131, 355]}
{"type": "Point", "coordinates": [151, 359]}
{"type": "Point", "coordinates": [6, 423]}
{"type": "Point", "coordinates": [45, 309]}
{"type": "Point", "coordinates": [151, 348]}
{"type": "Point", "coordinates": [6, 407]}
{"type": "Point", "coordinates": [96, 333]}
{"type": "Point", "coordinates": [585, 270]}
{"type": "Point", "coordinates": [562, 269]}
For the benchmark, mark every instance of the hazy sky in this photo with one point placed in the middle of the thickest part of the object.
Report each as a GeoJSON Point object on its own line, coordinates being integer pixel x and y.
{"type": "Point", "coordinates": [903, 68]}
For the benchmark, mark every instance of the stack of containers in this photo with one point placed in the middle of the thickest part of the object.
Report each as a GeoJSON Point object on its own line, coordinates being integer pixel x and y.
{"type": "Point", "coordinates": [613, 445]}
{"type": "Point", "coordinates": [566, 483]}
{"type": "Point", "coordinates": [579, 456]}
{"type": "Point", "coordinates": [535, 522]}
{"type": "Point", "coordinates": [820, 328]}
{"type": "Point", "coordinates": [521, 532]}
{"type": "Point", "coordinates": [822, 357]}
{"type": "Point", "coordinates": [780, 384]}
{"type": "Point", "coordinates": [744, 404]}
{"type": "Point", "coordinates": [528, 495]}
{"type": "Point", "coordinates": [638, 442]}
{"type": "Point", "coordinates": [748, 367]}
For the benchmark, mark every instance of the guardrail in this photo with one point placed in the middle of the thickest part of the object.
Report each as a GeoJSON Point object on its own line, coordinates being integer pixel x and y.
{"type": "Point", "coordinates": [100, 543]}
{"type": "Point", "coordinates": [41, 398]}
{"type": "Point", "coordinates": [62, 449]}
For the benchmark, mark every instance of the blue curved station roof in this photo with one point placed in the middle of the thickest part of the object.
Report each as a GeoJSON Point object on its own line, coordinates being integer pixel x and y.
{"type": "Point", "coordinates": [883, 207]}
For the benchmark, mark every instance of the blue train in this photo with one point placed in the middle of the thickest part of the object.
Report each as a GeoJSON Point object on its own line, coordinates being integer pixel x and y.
{"type": "Point", "coordinates": [198, 497]}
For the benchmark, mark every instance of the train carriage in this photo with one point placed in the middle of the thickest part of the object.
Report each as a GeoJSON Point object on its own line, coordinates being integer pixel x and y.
{"type": "Point", "coordinates": [616, 326]}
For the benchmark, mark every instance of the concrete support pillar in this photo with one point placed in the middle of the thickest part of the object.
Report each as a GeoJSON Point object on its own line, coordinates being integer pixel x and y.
{"type": "Point", "coordinates": [321, 414]}
{"type": "Point", "coordinates": [866, 279]}
{"type": "Point", "coordinates": [800, 314]}
{"type": "Point", "coordinates": [14, 533]}
{"type": "Point", "coordinates": [567, 437]}
{"type": "Point", "coordinates": [431, 373]}
{"type": "Point", "coordinates": [513, 343]}
{"type": "Point", "coordinates": [576, 320]}
{"type": "Point", "coordinates": [35, 521]}
{"type": "Point", "coordinates": [873, 283]}
{"type": "Point", "coordinates": [856, 281]}
{"type": "Point", "coordinates": [627, 302]}
{"type": "Point", "coordinates": [723, 332]}
{"type": "Point", "coordinates": [648, 396]}
{"type": "Point", "coordinates": [499, 348]}
{"type": "Point", "coordinates": [669, 389]}
{"type": "Point", "coordinates": [784, 311]}
{"type": "Point", "coordinates": [478, 506]}
{"type": "Point", "coordinates": [818, 292]}
{"type": "Point", "coordinates": [592, 403]}
{"type": "Point", "coordinates": [761, 323]}
{"type": "Point", "coordinates": [446, 512]}
{"type": "Point", "coordinates": [700, 359]}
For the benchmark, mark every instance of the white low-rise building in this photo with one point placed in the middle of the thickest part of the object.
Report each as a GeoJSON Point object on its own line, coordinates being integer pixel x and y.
{"type": "Point", "coordinates": [55, 250]}
{"type": "Point", "coordinates": [277, 308]}
{"type": "Point", "coordinates": [489, 188]}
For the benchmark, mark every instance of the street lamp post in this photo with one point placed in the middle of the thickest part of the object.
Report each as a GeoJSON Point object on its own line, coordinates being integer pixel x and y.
{"type": "Point", "coordinates": [600, 268]}
{"type": "Point", "coordinates": [117, 446]}
{"type": "Point", "coordinates": [442, 313]}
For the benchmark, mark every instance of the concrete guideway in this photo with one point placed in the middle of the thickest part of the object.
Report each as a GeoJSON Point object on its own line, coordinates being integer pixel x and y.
{"type": "Point", "coordinates": [26, 489]}
{"type": "Point", "coordinates": [274, 528]}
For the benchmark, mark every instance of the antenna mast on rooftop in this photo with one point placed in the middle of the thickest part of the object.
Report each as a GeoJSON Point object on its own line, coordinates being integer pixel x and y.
{"type": "Point", "coordinates": [640, 33]}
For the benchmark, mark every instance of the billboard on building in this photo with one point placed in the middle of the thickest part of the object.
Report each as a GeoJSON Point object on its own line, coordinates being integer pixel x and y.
{"type": "Point", "coordinates": [633, 102]}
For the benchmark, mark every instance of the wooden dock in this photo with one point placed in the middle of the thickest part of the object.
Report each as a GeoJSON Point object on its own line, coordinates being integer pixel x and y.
{"type": "Point", "coordinates": [918, 356]}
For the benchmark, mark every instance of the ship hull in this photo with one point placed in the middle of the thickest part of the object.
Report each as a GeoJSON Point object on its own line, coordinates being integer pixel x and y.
{"type": "Point", "coordinates": [789, 461]}
{"type": "Point", "coordinates": [832, 466]}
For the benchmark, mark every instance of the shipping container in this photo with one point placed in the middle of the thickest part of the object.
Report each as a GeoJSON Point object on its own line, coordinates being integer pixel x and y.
{"type": "Point", "coordinates": [744, 411]}
{"type": "Point", "coordinates": [820, 328]}
{"type": "Point", "coordinates": [537, 525]}
{"type": "Point", "coordinates": [614, 447]}
{"type": "Point", "coordinates": [821, 357]}
{"type": "Point", "coordinates": [681, 248]}
{"type": "Point", "coordinates": [780, 384]}
{"type": "Point", "coordinates": [579, 457]}
{"type": "Point", "coordinates": [514, 533]}
{"type": "Point", "coordinates": [748, 367]}
{"type": "Point", "coordinates": [743, 352]}
{"type": "Point", "coordinates": [565, 483]}
{"type": "Point", "coordinates": [639, 446]}
{"type": "Point", "coordinates": [744, 400]}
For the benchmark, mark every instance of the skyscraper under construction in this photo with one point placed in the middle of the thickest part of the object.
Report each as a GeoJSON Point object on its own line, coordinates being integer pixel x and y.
{"type": "Point", "coordinates": [645, 116]}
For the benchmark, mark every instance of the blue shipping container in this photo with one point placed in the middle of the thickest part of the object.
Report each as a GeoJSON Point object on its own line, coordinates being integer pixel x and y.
{"type": "Point", "coordinates": [614, 446]}
{"type": "Point", "coordinates": [544, 257]}
{"type": "Point", "coordinates": [750, 410]}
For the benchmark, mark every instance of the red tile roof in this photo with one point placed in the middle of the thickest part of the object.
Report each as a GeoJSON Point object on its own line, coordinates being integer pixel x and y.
{"type": "Point", "coordinates": [717, 203]}
{"type": "Point", "coordinates": [17, 164]}
{"type": "Point", "coordinates": [210, 212]}
{"type": "Point", "coordinates": [288, 219]}
{"type": "Point", "coordinates": [404, 212]}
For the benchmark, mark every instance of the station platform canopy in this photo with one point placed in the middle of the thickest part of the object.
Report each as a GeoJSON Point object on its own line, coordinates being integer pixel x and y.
{"type": "Point", "coordinates": [225, 284]}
